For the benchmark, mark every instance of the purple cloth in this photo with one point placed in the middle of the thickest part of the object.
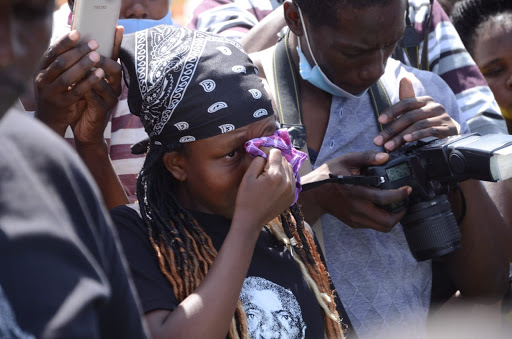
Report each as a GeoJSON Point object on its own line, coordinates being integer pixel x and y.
{"type": "Point", "coordinates": [280, 140]}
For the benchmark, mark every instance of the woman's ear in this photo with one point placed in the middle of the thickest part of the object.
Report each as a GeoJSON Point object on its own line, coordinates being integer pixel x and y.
{"type": "Point", "coordinates": [292, 17]}
{"type": "Point", "coordinates": [175, 163]}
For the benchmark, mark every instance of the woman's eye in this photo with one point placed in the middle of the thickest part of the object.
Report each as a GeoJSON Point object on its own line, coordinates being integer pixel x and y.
{"type": "Point", "coordinates": [492, 72]}
{"type": "Point", "coordinates": [234, 154]}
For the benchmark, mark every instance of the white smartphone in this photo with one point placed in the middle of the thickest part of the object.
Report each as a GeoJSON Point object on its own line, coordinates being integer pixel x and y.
{"type": "Point", "coordinates": [97, 20]}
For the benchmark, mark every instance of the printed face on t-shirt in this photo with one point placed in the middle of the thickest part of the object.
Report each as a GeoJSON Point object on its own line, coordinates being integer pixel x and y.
{"type": "Point", "coordinates": [272, 311]}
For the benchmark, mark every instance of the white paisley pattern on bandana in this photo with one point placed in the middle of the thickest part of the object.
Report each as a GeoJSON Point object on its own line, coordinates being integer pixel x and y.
{"type": "Point", "coordinates": [165, 94]}
{"type": "Point", "coordinates": [190, 85]}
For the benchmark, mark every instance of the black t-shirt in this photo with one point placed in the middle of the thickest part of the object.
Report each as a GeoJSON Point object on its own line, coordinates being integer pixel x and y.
{"type": "Point", "coordinates": [274, 294]}
{"type": "Point", "coordinates": [60, 270]}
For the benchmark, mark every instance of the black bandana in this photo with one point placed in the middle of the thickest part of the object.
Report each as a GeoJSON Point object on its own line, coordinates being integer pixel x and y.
{"type": "Point", "coordinates": [188, 85]}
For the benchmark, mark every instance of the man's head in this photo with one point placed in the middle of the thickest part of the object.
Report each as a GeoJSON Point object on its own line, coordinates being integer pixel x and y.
{"type": "Point", "coordinates": [25, 31]}
{"type": "Point", "coordinates": [351, 39]}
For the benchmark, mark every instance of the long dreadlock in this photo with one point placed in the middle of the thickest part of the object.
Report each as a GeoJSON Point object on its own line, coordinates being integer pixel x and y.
{"type": "Point", "coordinates": [186, 253]}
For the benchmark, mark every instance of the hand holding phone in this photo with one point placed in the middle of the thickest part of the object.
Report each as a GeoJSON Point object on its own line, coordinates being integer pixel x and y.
{"type": "Point", "coordinates": [97, 20]}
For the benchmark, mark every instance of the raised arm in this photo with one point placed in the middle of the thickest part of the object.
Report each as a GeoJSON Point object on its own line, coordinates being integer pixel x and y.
{"type": "Point", "coordinates": [207, 313]}
{"type": "Point", "coordinates": [70, 94]}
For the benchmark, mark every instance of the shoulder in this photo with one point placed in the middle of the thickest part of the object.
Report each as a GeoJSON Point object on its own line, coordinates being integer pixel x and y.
{"type": "Point", "coordinates": [51, 169]}
{"type": "Point", "coordinates": [127, 217]}
{"type": "Point", "coordinates": [130, 227]}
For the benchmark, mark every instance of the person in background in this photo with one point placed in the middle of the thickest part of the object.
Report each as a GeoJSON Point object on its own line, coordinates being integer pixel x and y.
{"type": "Point", "coordinates": [121, 129]}
{"type": "Point", "coordinates": [382, 286]}
{"type": "Point", "coordinates": [62, 274]}
{"type": "Point", "coordinates": [485, 27]}
{"type": "Point", "coordinates": [250, 22]}
{"type": "Point", "coordinates": [486, 30]}
{"type": "Point", "coordinates": [216, 236]}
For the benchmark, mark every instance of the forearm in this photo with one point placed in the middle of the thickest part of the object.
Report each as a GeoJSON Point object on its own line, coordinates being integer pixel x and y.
{"type": "Point", "coordinates": [501, 194]}
{"type": "Point", "coordinates": [207, 313]}
{"type": "Point", "coordinates": [480, 267]}
{"type": "Point", "coordinates": [310, 201]}
{"type": "Point", "coordinates": [97, 160]}
{"type": "Point", "coordinates": [264, 34]}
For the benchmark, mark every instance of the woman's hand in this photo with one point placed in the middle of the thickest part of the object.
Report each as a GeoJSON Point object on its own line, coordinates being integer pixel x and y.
{"type": "Point", "coordinates": [267, 188]}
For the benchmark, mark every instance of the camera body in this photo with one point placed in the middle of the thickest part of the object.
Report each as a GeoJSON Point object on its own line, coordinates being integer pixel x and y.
{"type": "Point", "coordinates": [430, 166]}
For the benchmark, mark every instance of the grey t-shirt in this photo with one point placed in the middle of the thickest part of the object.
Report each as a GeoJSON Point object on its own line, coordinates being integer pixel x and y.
{"type": "Point", "coordinates": [379, 282]}
{"type": "Point", "coordinates": [62, 275]}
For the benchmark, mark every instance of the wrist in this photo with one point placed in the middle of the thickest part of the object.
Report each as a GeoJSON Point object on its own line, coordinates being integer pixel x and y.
{"type": "Point", "coordinates": [59, 128]}
{"type": "Point", "coordinates": [96, 150]}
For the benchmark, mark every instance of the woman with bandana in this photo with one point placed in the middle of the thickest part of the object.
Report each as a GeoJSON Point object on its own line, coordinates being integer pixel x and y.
{"type": "Point", "coordinates": [216, 199]}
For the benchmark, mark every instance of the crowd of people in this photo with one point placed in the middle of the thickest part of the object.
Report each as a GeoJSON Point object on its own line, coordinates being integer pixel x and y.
{"type": "Point", "coordinates": [183, 188]}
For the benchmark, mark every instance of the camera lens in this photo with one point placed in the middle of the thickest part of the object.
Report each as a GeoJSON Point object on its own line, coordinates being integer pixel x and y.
{"type": "Point", "coordinates": [431, 229]}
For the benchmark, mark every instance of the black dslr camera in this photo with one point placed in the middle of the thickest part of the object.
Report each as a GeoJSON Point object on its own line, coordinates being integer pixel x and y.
{"type": "Point", "coordinates": [430, 166]}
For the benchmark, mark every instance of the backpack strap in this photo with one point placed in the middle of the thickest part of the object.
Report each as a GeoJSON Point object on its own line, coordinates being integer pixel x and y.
{"type": "Point", "coordinates": [410, 42]}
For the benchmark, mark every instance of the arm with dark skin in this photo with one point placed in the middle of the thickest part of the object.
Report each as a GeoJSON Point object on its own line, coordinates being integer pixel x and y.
{"type": "Point", "coordinates": [70, 94]}
{"type": "Point", "coordinates": [480, 267]}
{"type": "Point", "coordinates": [208, 311]}
{"type": "Point", "coordinates": [359, 206]}
{"type": "Point", "coordinates": [410, 119]}
{"type": "Point", "coordinates": [264, 34]}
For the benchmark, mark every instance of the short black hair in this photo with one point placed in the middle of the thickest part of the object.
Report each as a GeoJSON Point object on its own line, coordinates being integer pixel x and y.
{"type": "Point", "coordinates": [468, 16]}
{"type": "Point", "coordinates": [324, 12]}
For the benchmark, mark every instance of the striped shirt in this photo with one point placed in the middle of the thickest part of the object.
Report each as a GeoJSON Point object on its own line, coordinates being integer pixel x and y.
{"type": "Point", "coordinates": [449, 59]}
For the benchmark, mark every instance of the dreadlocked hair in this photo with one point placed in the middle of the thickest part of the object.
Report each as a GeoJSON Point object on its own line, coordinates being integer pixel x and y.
{"type": "Point", "coordinates": [186, 253]}
{"type": "Point", "coordinates": [290, 230]}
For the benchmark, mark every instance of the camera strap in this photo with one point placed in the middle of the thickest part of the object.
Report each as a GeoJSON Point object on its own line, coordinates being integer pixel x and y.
{"type": "Point", "coordinates": [287, 93]}
{"type": "Point", "coordinates": [380, 101]}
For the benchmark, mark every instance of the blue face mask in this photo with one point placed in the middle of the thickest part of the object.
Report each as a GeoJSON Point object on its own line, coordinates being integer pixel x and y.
{"type": "Point", "coordinates": [314, 75]}
{"type": "Point", "coordinates": [135, 25]}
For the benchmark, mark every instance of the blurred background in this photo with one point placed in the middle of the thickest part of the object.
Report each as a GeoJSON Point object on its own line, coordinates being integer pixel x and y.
{"type": "Point", "coordinates": [181, 9]}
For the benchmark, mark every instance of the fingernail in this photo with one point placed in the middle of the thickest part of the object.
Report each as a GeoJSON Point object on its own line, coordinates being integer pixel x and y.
{"type": "Point", "coordinates": [99, 72]}
{"type": "Point", "coordinates": [408, 137]}
{"type": "Point", "coordinates": [94, 57]}
{"type": "Point", "coordinates": [389, 144]}
{"type": "Point", "coordinates": [380, 156]}
{"type": "Point", "coordinates": [74, 35]}
{"type": "Point", "coordinates": [378, 140]}
{"type": "Point", "coordinates": [92, 44]}
{"type": "Point", "coordinates": [383, 119]}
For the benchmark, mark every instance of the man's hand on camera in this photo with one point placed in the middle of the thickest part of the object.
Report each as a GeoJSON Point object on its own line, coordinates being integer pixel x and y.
{"type": "Point", "coordinates": [413, 118]}
{"type": "Point", "coordinates": [357, 206]}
